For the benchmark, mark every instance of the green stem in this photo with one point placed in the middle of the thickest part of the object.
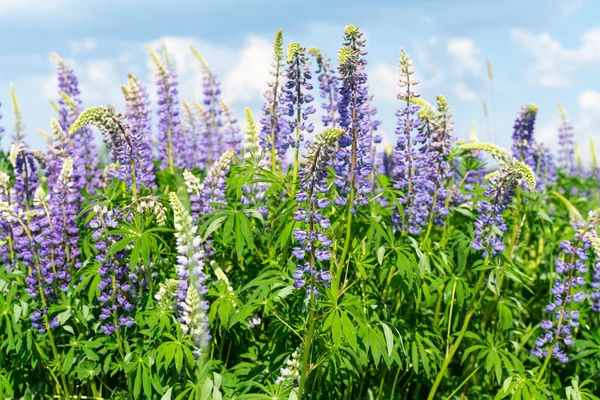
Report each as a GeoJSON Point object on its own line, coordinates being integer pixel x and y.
{"type": "Point", "coordinates": [458, 340]}
{"type": "Point", "coordinates": [463, 382]}
{"type": "Point", "coordinates": [307, 346]}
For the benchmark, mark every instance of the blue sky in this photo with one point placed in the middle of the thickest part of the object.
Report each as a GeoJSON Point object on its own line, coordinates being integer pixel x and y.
{"type": "Point", "coordinates": [541, 52]}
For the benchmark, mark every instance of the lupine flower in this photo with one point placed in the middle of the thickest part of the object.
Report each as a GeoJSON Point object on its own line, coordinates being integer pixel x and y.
{"type": "Point", "coordinates": [254, 321]}
{"type": "Point", "coordinates": [231, 130]}
{"type": "Point", "coordinates": [499, 193]}
{"type": "Point", "coordinates": [410, 155]}
{"type": "Point", "coordinates": [595, 284]}
{"type": "Point", "coordinates": [314, 243]}
{"type": "Point", "coordinates": [566, 143]}
{"type": "Point", "coordinates": [254, 192]}
{"type": "Point", "coordinates": [474, 173]}
{"type": "Point", "coordinates": [26, 178]}
{"type": "Point", "coordinates": [80, 144]}
{"type": "Point", "coordinates": [170, 138]}
{"type": "Point", "coordinates": [127, 147]}
{"type": "Point", "coordinates": [329, 90]}
{"type": "Point", "coordinates": [138, 116]}
{"type": "Point", "coordinates": [6, 235]}
{"type": "Point", "coordinates": [297, 97]}
{"type": "Point", "coordinates": [274, 132]}
{"type": "Point", "coordinates": [354, 160]}
{"type": "Point", "coordinates": [523, 142]}
{"type": "Point", "coordinates": [116, 291]}
{"type": "Point", "coordinates": [191, 304]}
{"type": "Point", "coordinates": [213, 117]}
{"type": "Point", "coordinates": [195, 155]}
{"type": "Point", "coordinates": [19, 124]}
{"type": "Point", "coordinates": [1, 127]}
{"type": "Point", "coordinates": [546, 168]}
{"type": "Point", "coordinates": [212, 190]}
{"type": "Point", "coordinates": [290, 374]}
{"type": "Point", "coordinates": [567, 292]}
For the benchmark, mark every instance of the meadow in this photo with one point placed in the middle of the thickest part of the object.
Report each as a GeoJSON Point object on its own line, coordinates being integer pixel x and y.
{"type": "Point", "coordinates": [188, 258]}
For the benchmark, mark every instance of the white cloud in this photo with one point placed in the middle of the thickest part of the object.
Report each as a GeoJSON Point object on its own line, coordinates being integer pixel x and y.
{"type": "Point", "coordinates": [82, 45]}
{"type": "Point", "coordinates": [247, 80]}
{"type": "Point", "coordinates": [382, 78]}
{"type": "Point", "coordinates": [463, 92]}
{"type": "Point", "coordinates": [553, 64]}
{"type": "Point", "coordinates": [465, 53]}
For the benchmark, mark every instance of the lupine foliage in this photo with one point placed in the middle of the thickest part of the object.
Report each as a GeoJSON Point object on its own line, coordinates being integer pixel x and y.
{"type": "Point", "coordinates": [194, 263]}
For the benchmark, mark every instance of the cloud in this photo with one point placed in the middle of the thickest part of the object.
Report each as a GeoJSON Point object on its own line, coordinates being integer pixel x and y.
{"type": "Point", "coordinates": [381, 83]}
{"type": "Point", "coordinates": [463, 92]}
{"type": "Point", "coordinates": [553, 65]}
{"type": "Point", "coordinates": [465, 53]}
{"type": "Point", "coordinates": [567, 8]}
{"type": "Point", "coordinates": [82, 45]}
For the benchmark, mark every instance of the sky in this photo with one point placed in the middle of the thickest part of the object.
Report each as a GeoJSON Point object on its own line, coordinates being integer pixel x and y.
{"type": "Point", "coordinates": [540, 52]}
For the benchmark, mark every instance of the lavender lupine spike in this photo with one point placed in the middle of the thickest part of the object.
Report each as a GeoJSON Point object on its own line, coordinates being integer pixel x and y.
{"type": "Point", "coordinates": [212, 189]}
{"type": "Point", "coordinates": [571, 271]}
{"type": "Point", "coordinates": [566, 143]}
{"type": "Point", "coordinates": [354, 162]}
{"type": "Point", "coordinates": [190, 127]}
{"type": "Point", "coordinates": [26, 178]}
{"type": "Point", "coordinates": [254, 192]}
{"type": "Point", "coordinates": [126, 146]}
{"type": "Point", "coordinates": [595, 284]}
{"type": "Point", "coordinates": [203, 144]}
{"type": "Point", "coordinates": [312, 235]}
{"type": "Point", "coordinates": [499, 193]}
{"type": "Point", "coordinates": [18, 123]}
{"type": "Point", "coordinates": [116, 290]}
{"type": "Point", "coordinates": [406, 152]}
{"type": "Point", "coordinates": [523, 142]}
{"type": "Point", "coordinates": [274, 132]}
{"type": "Point", "coordinates": [81, 144]}
{"type": "Point", "coordinates": [231, 130]}
{"type": "Point", "coordinates": [546, 168]}
{"type": "Point", "coordinates": [191, 304]}
{"type": "Point", "coordinates": [1, 127]}
{"type": "Point", "coordinates": [214, 123]}
{"type": "Point", "coordinates": [297, 97]}
{"type": "Point", "coordinates": [170, 138]}
{"type": "Point", "coordinates": [329, 88]}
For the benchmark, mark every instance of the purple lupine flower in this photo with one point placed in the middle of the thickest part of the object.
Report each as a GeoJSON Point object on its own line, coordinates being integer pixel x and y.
{"type": "Point", "coordinates": [409, 156]}
{"type": "Point", "coordinates": [567, 293]}
{"type": "Point", "coordinates": [274, 132]}
{"type": "Point", "coordinates": [127, 147]}
{"type": "Point", "coordinates": [116, 291]}
{"type": "Point", "coordinates": [499, 193]}
{"type": "Point", "coordinates": [314, 243]}
{"type": "Point", "coordinates": [523, 142]}
{"type": "Point", "coordinates": [6, 234]}
{"type": "Point", "coordinates": [191, 303]}
{"type": "Point", "coordinates": [194, 155]}
{"type": "Point", "coordinates": [329, 88]}
{"type": "Point", "coordinates": [171, 145]}
{"type": "Point", "coordinates": [1, 127]}
{"type": "Point", "coordinates": [254, 192]}
{"type": "Point", "coordinates": [296, 97]}
{"type": "Point", "coordinates": [595, 295]}
{"type": "Point", "coordinates": [26, 178]}
{"type": "Point", "coordinates": [354, 160]}
{"type": "Point", "coordinates": [566, 143]}
{"type": "Point", "coordinates": [81, 145]}
{"type": "Point", "coordinates": [231, 130]}
{"type": "Point", "coordinates": [138, 116]}
{"type": "Point", "coordinates": [212, 190]}
{"type": "Point", "coordinates": [546, 168]}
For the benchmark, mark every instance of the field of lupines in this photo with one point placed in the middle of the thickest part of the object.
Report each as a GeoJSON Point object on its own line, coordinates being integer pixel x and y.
{"type": "Point", "coordinates": [194, 260]}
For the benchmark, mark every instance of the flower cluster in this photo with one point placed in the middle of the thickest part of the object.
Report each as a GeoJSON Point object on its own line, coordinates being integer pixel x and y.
{"type": "Point", "coordinates": [190, 270]}
{"type": "Point", "coordinates": [290, 374]}
{"type": "Point", "coordinates": [18, 120]}
{"type": "Point", "coordinates": [231, 130]}
{"type": "Point", "coordinates": [354, 158]}
{"type": "Point", "coordinates": [297, 97]}
{"type": "Point", "coordinates": [1, 127]}
{"type": "Point", "coordinates": [311, 213]}
{"type": "Point", "coordinates": [571, 272]}
{"type": "Point", "coordinates": [410, 158]}
{"type": "Point", "coordinates": [26, 177]}
{"type": "Point", "coordinates": [254, 192]}
{"type": "Point", "coordinates": [138, 116]}
{"type": "Point", "coordinates": [566, 143]}
{"type": "Point", "coordinates": [274, 132]}
{"type": "Point", "coordinates": [328, 86]}
{"type": "Point", "coordinates": [170, 138]}
{"type": "Point", "coordinates": [116, 291]}
{"type": "Point", "coordinates": [212, 190]}
{"type": "Point", "coordinates": [80, 143]}
{"type": "Point", "coordinates": [129, 151]}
